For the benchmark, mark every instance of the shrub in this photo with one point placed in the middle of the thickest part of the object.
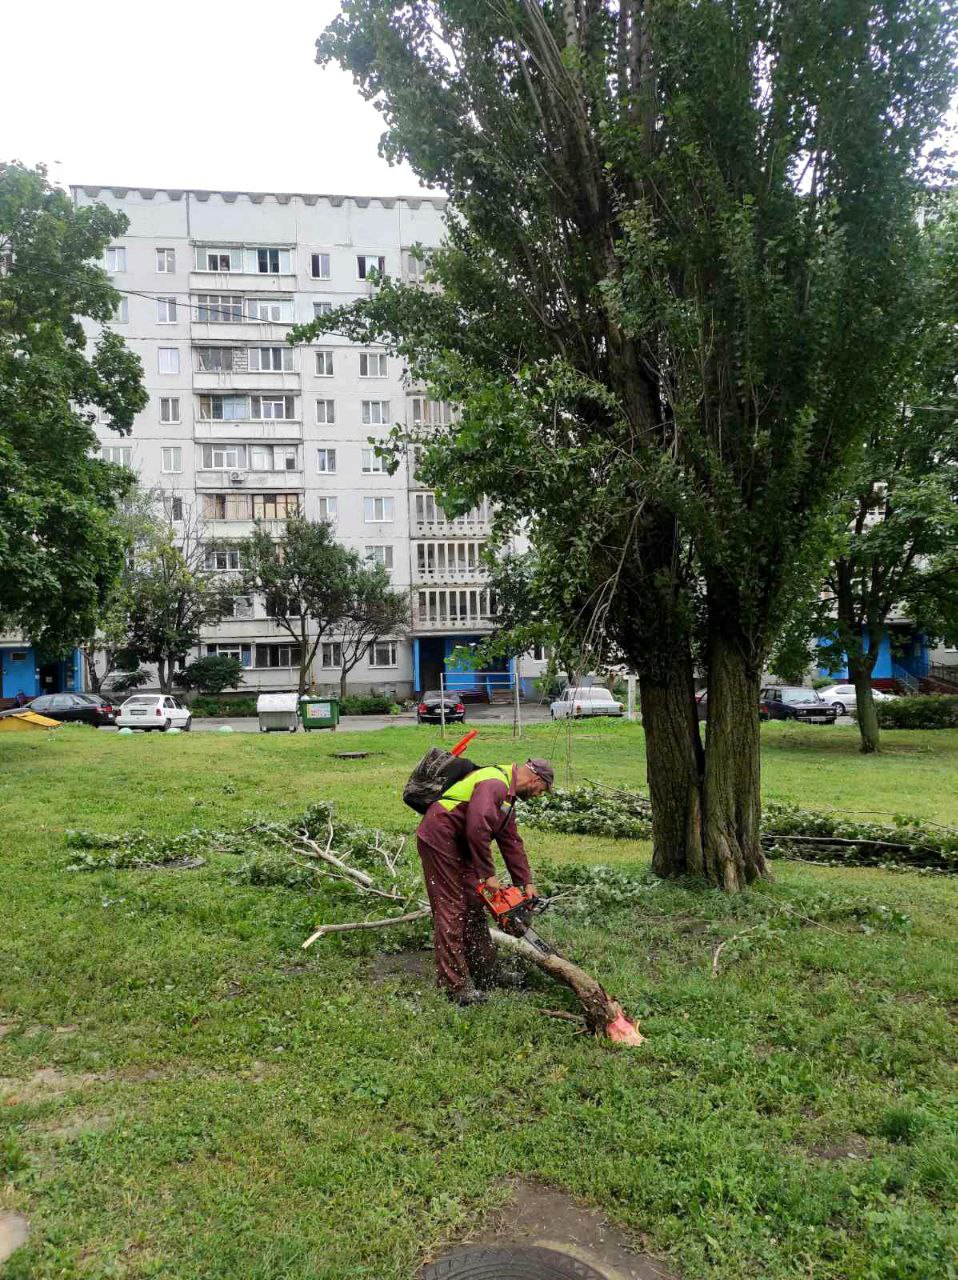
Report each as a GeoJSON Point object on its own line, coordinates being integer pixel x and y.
{"type": "Point", "coordinates": [929, 711]}
{"type": "Point", "coordinates": [366, 704]}
{"type": "Point", "coordinates": [210, 706]}
{"type": "Point", "coordinates": [212, 674]}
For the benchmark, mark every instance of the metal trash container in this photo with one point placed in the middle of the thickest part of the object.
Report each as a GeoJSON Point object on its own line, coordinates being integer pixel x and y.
{"type": "Point", "coordinates": [319, 712]}
{"type": "Point", "coordinates": [277, 711]}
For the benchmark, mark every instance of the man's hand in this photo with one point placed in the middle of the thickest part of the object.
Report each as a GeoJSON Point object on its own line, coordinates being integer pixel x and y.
{"type": "Point", "coordinates": [492, 882]}
{"type": "Point", "coordinates": [530, 891]}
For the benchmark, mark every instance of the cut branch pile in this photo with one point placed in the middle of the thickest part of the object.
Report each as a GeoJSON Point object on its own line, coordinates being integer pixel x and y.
{"type": "Point", "coordinates": [320, 852]}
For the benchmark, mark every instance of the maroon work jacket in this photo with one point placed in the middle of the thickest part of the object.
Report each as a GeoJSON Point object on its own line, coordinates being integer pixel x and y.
{"type": "Point", "coordinates": [474, 824]}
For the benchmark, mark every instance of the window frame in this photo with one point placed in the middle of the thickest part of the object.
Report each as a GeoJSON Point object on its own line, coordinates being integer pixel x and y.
{"type": "Point", "coordinates": [169, 351]}
{"type": "Point", "coordinates": [125, 452]}
{"type": "Point", "coordinates": [329, 508]}
{"type": "Point", "coordinates": [388, 559]}
{"type": "Point", "coordinates": [118, 252]}
{"type": "Point", "coordinates": [383, 499]}
{"type": "Point", "coordinates": [326, 453]}
{"type": "Point", "coordinates": [371, 463]}
{"type": "Point", "coordinates": [325, 357]}
{"type": "Point", "coordinates": [176, 456]}
{"type": "Point", "coordinates": [285, 359]}
{"type": "Point", "coordinates": [220, 308]}
{"type": "Point", "coordinates": [122, 313]}
{"type": "Point", "coordinates": [329, 411]}
{"type": "Point", "coordinates": [170, 416]}
{"type": "Point", "coordinates": [362, 264]}
{"type": "Point", "coordinates": [313, 257]}
{"type": "Point", "coordinates": [381, 360]}
{"type": "Point", "coordinates": [330, 648]}
{"type": "Point", "coordinates": [167, 303]}
{"type": "Point", "coordinates": [168, 258]}
{"type": "Point", "coordinates": [366, 416]}
{"type": "Point", "coordinates": [371, 656]}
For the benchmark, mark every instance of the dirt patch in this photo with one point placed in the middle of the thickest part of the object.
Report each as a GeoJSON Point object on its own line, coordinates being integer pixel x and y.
{"type": "Point", "coordinates": [417, 967]}
{"type": "Point", "coordinates": [854, 1147]}
{"type": "Point", "coordinates": [46, 1083]}
{"type": "Point", "coordinates": [14, 1232]}
{"type": "Point", "coordinates": [77, 1126]}
{"type": "Point", "coordinates": [536, 1215]}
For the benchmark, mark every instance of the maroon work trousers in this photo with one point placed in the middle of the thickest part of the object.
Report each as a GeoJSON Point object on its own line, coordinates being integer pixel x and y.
{"type": "Point", "coordinates": [463, 946]}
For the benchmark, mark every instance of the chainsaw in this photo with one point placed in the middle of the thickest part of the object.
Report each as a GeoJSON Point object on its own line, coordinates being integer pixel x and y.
{"type": "Point", "coordinates": [512, 909]}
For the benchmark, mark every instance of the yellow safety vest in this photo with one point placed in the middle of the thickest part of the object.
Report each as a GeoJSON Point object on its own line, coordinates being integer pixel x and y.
{"type": "Point", "coordinates": [462, 790]}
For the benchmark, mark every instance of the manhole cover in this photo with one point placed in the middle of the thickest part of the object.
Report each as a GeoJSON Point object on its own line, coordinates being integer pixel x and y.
{"type": "Point", "coordinates": [509, 1263]}
{"type": "Point", "coordinates": [355, 755]}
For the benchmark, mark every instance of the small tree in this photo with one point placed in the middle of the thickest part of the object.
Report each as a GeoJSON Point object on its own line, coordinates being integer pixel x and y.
{"type": "Point", "coordinates": [172, 597]}
{"type": "Point", "coordinates": [304, 579]}
{"type": "Point", "coordinates": [211, 675]}
{"type": "Point", "coordinates": [374, 611]}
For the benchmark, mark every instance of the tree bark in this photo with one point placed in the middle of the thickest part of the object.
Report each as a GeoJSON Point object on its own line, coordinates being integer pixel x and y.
{"type": "Point", "coordinates": [860, 668]}
{"type": "Point", "coordinates": [674, 763]}
{"type": "Point", "coordinates": [732, 806]}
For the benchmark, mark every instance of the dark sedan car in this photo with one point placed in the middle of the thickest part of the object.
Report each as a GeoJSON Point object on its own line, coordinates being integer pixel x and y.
{"type": "Point", "coordinates": [791, 702]}
{"type": "Point", "coordinates": [433, 704]}
{"type": "Point", "coordinates": [87, 708]}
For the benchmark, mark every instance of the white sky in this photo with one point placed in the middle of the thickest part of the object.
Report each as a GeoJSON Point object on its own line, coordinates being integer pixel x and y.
{"type": "Point", "coordinates": [190, 93]}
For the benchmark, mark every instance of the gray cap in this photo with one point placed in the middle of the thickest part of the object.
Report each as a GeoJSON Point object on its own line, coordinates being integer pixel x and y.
{"type": "Point", "coordinates": [545, 771]}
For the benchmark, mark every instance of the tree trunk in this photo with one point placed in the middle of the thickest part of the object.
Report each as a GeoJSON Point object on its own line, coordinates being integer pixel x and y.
{"type": "Point", "coordinates": [674, 769]}
{"type": "Point", "coordinates": [92, 675]}
{"type": "Point", "coordinates": [164, 674]}
{"type": "Point", "coordinates": [860, 668]}
{"type": "Point", "coordinates": [732, 806]}
{"type": "Point", "coordinates": [342, 684]}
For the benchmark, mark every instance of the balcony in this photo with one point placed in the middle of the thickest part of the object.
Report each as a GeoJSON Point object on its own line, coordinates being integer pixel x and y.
{"type": "Point", "coordinates": [236, 530]}
{"type": "Point", "coordinates": [449, 562]}
{"type": "Point", "coordinates": [245, 430]}
{"type": "Point", "coordinates": [241, 282]}
{"type": "Point", "coordinates": [467, 609]}
{"type": "Point", "coordinates": [250, 381]}
{"type": "Point", "coordinates": [284, 480]}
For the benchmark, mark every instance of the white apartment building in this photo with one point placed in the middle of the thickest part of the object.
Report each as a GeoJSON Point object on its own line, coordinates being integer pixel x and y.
{"type": "Point", "coordinates": [241, 427]}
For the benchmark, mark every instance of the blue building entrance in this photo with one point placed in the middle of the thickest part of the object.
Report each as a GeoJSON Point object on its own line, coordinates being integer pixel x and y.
{"type": "Point", "coordinates": [22, 672]}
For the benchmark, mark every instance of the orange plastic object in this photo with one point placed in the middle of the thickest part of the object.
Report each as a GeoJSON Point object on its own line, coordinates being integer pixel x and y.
{"type": "Point", "coordinates": [622, 1031]}
{"type": "Point", "coordinates": [461, 745]}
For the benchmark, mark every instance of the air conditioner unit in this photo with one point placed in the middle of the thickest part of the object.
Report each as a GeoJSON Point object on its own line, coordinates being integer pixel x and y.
{"type": "Point", "coordinates": [236, 477]}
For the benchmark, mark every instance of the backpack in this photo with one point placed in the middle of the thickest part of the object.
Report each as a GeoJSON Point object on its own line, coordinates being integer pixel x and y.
{"type": "Point", "coordinates": [435, 772]}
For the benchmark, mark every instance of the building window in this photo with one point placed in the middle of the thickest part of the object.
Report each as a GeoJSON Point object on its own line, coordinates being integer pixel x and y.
{"type": "Point", "coordinates": [319, 266]}
{"type": "Point", "coordinates": [270, 310]}
{"type": "Point", "coordinates": [168, 359]}
{"type": "Point", "coordinates": [115, 259]}
{"type": "Point", "coordinates": [176, 508]}
{"type": "Point", "coordinates": [431, 413]}
{"type": "Point", "coordinates": [272, 408]}
{"type": "Point", "coordinates": [270, 359]}
{"type": "Point", "coordinates": [324, 364]}
{"type": "Point", "coordinates": [219, 308]}
{"type": "Point", "coordinates": [325, 411]}
{"type": "Point", "coordinates": [165, 261]}
{"type": "Point", "coordinates": [169, 408]}
{"type": "Point", "coordinates": [122, 313]}
{"type": "Point", "coordinates": [171, 460]}
{"type": "Point", "coordinates": [272, 262]}
{"type": "Point", "coordinates": [166, 311]}
{"type": "Point", "coordinates": [539, 653]}
{"type": "Point", "coordinates": [415, 267]}
{"type": "Point", "coordinates": [242, 609]}
{"type": "Point", "coordinates": [375, 413]}
{"type": "Point", "coordinates": [373, 464]}
{"type": "Point", "coordinates": [275, 506]}
{"type": "Point", "coordinates": [268, 457]}
{"type": "Point", "coordinates": [119, 455]}
{"type": "Point", "coordinates": [214, 260]}
{"type": "Point", "coordinates": [383, 654]}
{"type": "Point", "coordinates": [224, 408]}
{"type": "Point", "coordinates": [223, 559]}
{"type": "Point", "coordinates": [381, 553]}
{"type": "Point", "coordinates": [332, 653]}
{"type": "Point", "coordinates": [277, 655]}
{"type": "Point", "coordinates": [322, 309]}
{"type": "Point", "coordinates": [226, 506]}
{"type": "Point", "coordinates": [366, 263]}
{"type": "Point", "coordinates": [372, 364]}
{"type": "Point", "coordinates": [378, 510]}
{"type": "Point", "coordinates": [326, 461]}
{"type": "Point", "coordinates": [214, 359]}
{"type": "Point", "coordinates": [328, 509]}
{"type": "Point", "coordinates": [224, 457]}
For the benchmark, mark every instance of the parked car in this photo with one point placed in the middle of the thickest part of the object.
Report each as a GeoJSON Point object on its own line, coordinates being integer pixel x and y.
{"type": "Point", "coordinates": [842, 697]}
{"type": "Point", "coordinates": [82, 708]}
{"type": "Point", "coordinates": [792, 702]}
{"type": "Point", "coordinates": [702, 706]}
{"type": "Point", "coordinates": [433, 706]}
{"type": "Point", "coordinates": [594, 701]}
{"type": "Point", "coordinates": [153, 711]}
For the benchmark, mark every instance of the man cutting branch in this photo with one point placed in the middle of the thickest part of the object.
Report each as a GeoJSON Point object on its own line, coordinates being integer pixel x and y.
{"type": "Point", "coordinates": [455, 844]}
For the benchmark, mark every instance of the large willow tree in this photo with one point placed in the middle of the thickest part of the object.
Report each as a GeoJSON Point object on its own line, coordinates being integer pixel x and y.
{"type": "Point", "coordinates": [675, 253]}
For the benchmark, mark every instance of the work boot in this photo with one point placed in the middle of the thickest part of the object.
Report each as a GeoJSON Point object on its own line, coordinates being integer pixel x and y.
{"type": "Point", "coordinates": [467, 996]}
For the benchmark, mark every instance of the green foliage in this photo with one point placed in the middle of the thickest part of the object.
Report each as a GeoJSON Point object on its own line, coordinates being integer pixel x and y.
{"type": "Point", "coordinates": [208, 706]}
{"type": "Point", "coordinates": [61, 544]}
{"type": "Point", "coordinates": [926, 711]}
{"type": "Point", "coordinates": [93, 851]}
{"type": "Point", "coordinates": [127, 680]}
{"type": "Point", "coordinates": [592, 810]}
{"type": "Point", "coordinates": [211, 675]}
{"type": "Point", "coordinates": [365, 704]}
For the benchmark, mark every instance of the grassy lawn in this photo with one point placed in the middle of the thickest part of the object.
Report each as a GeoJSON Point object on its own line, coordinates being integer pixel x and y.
{"type": "Point", "coordinates": [188, 1095]}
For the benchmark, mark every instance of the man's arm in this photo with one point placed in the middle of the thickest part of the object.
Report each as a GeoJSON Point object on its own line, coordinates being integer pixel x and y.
{"type": "Point", "coordinates": [484, 817]}
{"type": "Point", "coordinates": [514, 853]}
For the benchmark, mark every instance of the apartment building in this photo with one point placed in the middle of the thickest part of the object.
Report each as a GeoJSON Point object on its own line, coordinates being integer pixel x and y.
{"type": "Point", "coordinates": [241, 427]}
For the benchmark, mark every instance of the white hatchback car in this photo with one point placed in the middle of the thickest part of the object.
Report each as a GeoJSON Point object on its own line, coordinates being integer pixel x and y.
{"type": "Point", "coordinates": [842, 697]}
{"type": "Point", "coordinates": [594, 701]}
{"type": "Point", "coordinates": [153, 711]}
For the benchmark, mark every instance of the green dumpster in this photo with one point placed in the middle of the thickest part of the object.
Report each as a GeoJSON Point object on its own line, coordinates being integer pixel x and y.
{"type": "Point", "coordinates": [319, 712]}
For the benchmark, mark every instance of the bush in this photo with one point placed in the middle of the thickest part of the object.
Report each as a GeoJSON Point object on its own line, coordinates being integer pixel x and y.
{"type": "Point", "coordinates": [211, 675]}
{"type": "Point", "coordinates": [366, 704]}
{"type": "Point", "coordinates": [929, 711]}
{"type": "Point", "coordinates": [209, 706]}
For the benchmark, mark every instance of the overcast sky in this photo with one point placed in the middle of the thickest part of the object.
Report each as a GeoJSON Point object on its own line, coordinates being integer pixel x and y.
{"type": "Point", "coordinates": [190, 93]}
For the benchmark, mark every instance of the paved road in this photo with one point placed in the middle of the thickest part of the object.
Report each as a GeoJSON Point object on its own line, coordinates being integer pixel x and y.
{"type": "Point", "coordinates": [475, 715]}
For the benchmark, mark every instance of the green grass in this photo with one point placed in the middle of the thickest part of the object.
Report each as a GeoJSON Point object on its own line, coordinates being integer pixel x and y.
{"type": "Point", "coordinates": [260, 1112]}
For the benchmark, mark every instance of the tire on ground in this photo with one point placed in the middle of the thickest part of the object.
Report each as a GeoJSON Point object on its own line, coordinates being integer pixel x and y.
{"type": "Point", "coordinates": [509, 1262]}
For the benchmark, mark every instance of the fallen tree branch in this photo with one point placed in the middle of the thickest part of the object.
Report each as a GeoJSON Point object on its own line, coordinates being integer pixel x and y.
{"type": "Point", "coordinates": [365, 924]}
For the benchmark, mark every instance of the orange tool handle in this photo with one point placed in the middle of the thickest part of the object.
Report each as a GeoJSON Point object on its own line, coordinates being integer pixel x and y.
{"type": "Point", "coordinates": [461, 745]}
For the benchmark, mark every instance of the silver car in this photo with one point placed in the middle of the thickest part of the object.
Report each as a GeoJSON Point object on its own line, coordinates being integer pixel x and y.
{"type": "Point", "coordinates": [594, 701]}
{"type": "Point", "coordinates": [842, 697]}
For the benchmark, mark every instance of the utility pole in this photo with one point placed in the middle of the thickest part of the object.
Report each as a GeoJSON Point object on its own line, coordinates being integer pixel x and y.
{"type": "Point", "coordinates": [517, 712]}
{"type": "Point", "coordinates": [630, 697]}
{"type": "Point", "coordinates": [442, 705]}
